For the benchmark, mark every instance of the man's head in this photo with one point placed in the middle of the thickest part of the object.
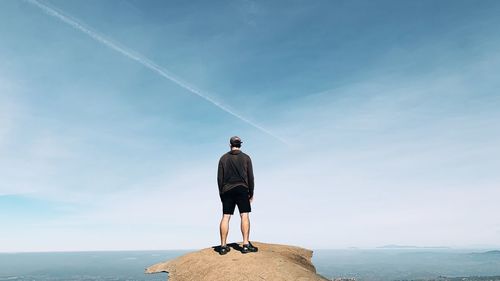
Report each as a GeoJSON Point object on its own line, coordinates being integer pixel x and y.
{"type": "Point", "coordinates": [235, 142]}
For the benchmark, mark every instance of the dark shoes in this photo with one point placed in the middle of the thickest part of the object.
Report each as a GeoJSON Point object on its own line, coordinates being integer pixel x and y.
{"type": "Point", "coordinates": [224, 250]}
{"type": "Point", "coordinates": [247, 248]}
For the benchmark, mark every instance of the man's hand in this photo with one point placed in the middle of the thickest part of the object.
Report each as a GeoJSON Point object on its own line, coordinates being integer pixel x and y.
{"type": "Point", "coordinates": [251, 199]}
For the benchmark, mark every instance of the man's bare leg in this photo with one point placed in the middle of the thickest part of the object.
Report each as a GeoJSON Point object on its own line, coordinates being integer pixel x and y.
{"type": "Point", "coordinates": [224, 228]}
{"type": "Point", "coordinates": [245, 227]}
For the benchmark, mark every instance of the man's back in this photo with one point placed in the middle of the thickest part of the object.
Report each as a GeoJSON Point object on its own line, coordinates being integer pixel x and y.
{"type": "Point", "coordinates": [235, 180]}
{"type": "Point", "coordinates": [235, 169]}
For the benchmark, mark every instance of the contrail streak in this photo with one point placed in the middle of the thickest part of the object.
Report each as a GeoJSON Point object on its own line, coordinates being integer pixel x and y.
{"type": "Point", "coordinates": [142, 60]}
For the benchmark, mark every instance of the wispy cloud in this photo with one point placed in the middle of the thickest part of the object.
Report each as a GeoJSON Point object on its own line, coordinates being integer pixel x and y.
{"type": "Point", "coordinates": [57, 13]}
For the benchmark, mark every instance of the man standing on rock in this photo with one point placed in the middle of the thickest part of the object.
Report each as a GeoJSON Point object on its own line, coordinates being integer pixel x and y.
{"type": "Point", "coordinates": [235, 180]}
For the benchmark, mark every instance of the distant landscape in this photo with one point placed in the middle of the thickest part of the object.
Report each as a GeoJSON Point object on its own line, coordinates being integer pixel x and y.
{"type": "Point", "coordinates": [400, 263]}
{"type": "Point", "coordinates": [394, 246]}
{"type": "Point", "coordinates": [381, 264]}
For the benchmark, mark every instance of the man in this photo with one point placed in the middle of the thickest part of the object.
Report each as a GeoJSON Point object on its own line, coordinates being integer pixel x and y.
{"type": "Point", "coordinates": [235, 180]}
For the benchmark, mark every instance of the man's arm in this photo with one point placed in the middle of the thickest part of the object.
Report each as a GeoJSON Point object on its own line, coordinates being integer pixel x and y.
{"type": "Point", "coordinates": [220, 176]}
{"type": "Point", "coordinates": [250, 177]}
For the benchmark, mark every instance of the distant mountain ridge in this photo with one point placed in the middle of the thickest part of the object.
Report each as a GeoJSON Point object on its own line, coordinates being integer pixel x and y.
{"type": "Point", "coordinates": [489, 253]}
{"type": "Point", "coordinates": [395, 246]}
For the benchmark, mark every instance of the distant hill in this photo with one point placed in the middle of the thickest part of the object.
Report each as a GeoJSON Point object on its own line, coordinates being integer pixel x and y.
{"type": "Point", "coordinates": [394, 246]}
{"type": "Point", "coordinates": [489, 253]}
{"type": "Point", "coordinates": [493, 252]}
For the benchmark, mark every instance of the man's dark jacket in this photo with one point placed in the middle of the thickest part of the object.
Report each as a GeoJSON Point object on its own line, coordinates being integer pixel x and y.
{"type": "Point", "coordinates": [235, 168]}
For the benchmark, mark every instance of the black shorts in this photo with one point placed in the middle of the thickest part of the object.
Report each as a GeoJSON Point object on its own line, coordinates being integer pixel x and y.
{"type": "Point", "coordinates": [236, 196]}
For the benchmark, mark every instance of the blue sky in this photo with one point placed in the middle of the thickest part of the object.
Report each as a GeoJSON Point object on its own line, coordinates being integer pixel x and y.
{"type": "Point", "coordinates": [368, 123]}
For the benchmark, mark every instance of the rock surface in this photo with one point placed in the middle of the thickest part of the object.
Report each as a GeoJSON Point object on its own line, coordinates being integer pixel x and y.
{"type": "Point", "coordinates": [271, 262]}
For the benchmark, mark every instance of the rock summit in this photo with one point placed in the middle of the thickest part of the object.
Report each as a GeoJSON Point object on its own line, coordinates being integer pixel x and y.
{"type": "Point", "coordinates": [271, 262]}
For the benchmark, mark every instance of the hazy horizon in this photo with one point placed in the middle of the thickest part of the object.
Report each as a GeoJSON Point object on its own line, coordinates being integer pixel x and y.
{"type": "Point", "coordinates": [373, 265]}
{"type": "Point", "coordinates": [437, 248]}
{"type": "Point", "coordinates": [388, 247]}
{"type": "Point", "coordinates": [368, 123]}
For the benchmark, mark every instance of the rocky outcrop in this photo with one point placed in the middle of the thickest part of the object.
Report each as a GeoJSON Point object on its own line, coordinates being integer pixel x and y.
{"type": "Point", "coordinates": [271, 262]}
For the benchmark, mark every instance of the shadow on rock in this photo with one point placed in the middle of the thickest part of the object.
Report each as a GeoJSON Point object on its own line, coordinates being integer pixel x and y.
{"type": "Point", "coordinates": [235, 246]}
